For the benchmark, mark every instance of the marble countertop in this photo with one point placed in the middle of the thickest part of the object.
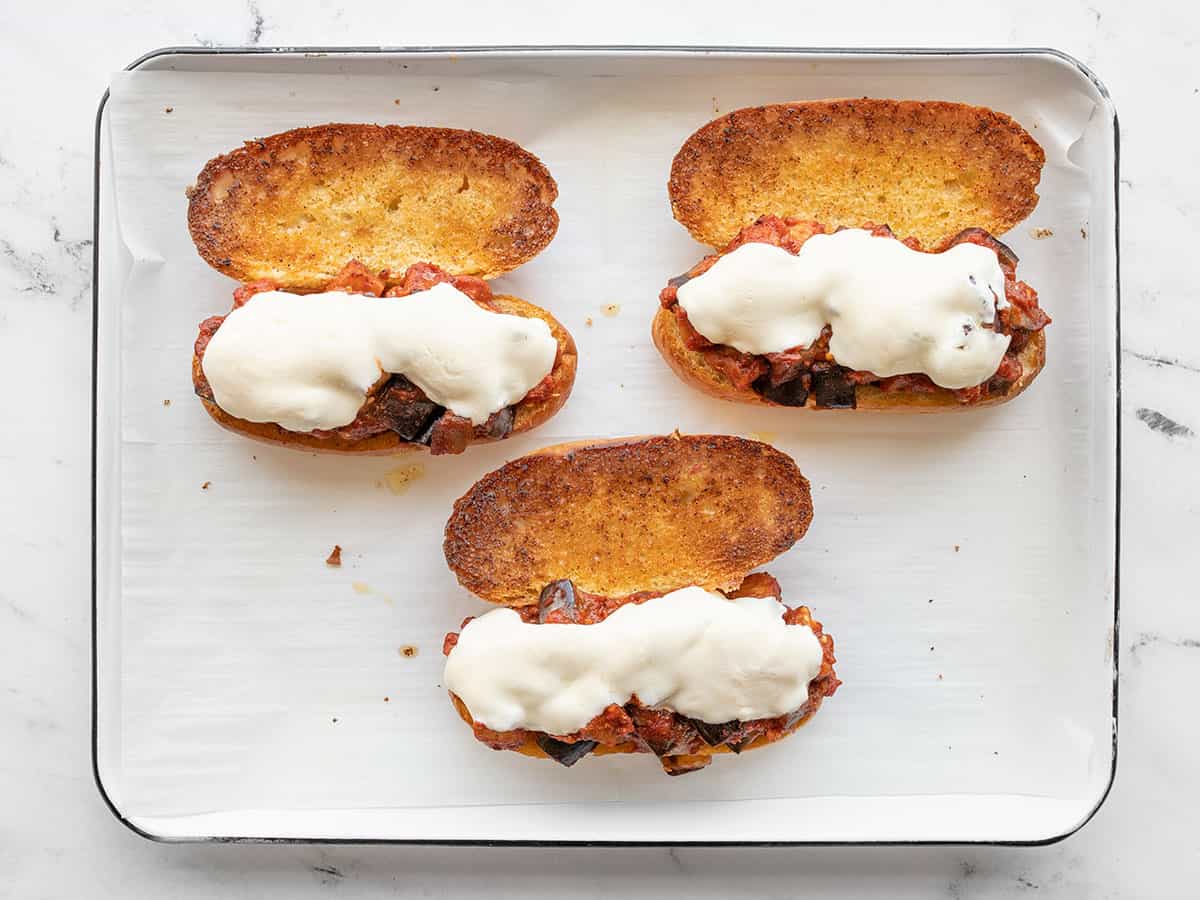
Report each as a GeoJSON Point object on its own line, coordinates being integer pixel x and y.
{"type": "Point", "coordinates": [57, 839]}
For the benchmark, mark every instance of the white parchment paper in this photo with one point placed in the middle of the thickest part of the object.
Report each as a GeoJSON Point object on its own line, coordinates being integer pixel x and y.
{"type": "Point", "coordinates": [954, 558]}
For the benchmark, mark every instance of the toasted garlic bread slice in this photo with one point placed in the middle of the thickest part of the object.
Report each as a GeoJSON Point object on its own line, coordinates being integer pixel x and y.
{"type": "Point", "coordinates": [295, 206]}
{"type": "Point", "coordinates": [929, 169]}
{"type": "Point", "coordinates": [629, 515]}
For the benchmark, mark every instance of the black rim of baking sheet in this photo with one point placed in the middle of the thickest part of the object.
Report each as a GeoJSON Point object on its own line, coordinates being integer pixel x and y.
{"type": "Point", "coordinates": [648, 50]}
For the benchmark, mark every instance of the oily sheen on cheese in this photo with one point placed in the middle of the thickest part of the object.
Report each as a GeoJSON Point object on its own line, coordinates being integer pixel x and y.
{"type": "Point", "coordinates": [306, 361]}
{"type": "Point", "coordinates": [892, 310]}
{"type": "Point", "coordinates": [691, 651]}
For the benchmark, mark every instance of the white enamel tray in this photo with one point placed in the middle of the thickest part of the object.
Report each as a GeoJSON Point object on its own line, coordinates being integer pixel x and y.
{"type": "Point", "coordinates": [965, 564]}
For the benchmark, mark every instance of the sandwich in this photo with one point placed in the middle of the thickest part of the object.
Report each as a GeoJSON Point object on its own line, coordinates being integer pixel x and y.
{"type": "Point", "coordinates": [365, 322]}
{"type": "Point", "coordinates": [858, 264]}
{"type": "Point", "coordinates": [631, 620]}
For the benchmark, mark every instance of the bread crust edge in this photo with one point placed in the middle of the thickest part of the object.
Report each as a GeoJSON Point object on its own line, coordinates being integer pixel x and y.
{"type": "Point", "coordinates": [207, 223]}
{"type": "Point", "coordinates": [692, 209]}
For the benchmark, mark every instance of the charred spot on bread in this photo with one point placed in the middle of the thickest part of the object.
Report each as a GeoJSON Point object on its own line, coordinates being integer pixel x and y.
{"type": "Point", "coordinates": [565, 753]}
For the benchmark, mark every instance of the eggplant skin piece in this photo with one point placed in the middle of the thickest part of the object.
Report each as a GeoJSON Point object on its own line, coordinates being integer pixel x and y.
{"type": "Point", "coordinates": [500, 424]}
{"type": "Point", "coordinates": [1001, 249]}
{"type": "Point", "coordinates": [425, 435]}
{"type": "Point", "coordinates": [558, 597]}
{"type": "Point", "coordinates": [564, 752]}
{"type": "Point", "coordinates": [404, 409]}
{"type": "Point", "coordinates": [716, 735]}
{"type": "Point", "coordinates": [832, 389]}
{"type": "Point", "coordinates": [663, 732]}
{"type": "Point", "coordinates": [790, 393]}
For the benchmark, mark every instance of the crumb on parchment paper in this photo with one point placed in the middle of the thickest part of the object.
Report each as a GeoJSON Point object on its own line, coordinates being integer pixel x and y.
{"type": "Point", "coordinates": [360, 587]}
{"type": "Point", "coordinates": [408, 651]}
{"type": "Point", "coordinates": [166, 402]}
{"type": "Point", "coordinates": [399, 479]}
{"type": "Point", "coordinates": [335, 556]}
{"type": "Point", "coordinates": [588, 321]}
{"type": "Point", "coordinates": [1040, 234]}
{"type": "Point", "coordinates": [611, 309]}
{"type": "Point", "coordinates": [205, 486]}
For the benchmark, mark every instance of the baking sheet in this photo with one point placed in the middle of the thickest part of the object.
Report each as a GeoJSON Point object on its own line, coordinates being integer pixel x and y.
{"type": "Point", "coordinates": [963, 563]}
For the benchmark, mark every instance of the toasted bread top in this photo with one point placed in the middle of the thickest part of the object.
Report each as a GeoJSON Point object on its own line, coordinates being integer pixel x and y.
{"type": "Point", "coordinates": [640, 514]}
{"type": "Point", "coordinates": [295, 206]}
{"type": "Point", "coordinates": [928, 169]}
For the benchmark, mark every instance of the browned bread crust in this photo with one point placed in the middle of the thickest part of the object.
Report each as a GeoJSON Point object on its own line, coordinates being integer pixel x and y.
{"type": "Point", "coordinates": [928, 169]}
{"type": "Point", "coordinates": [529, 414]}
{"type": "Point", "coordinates": [627, 515]}
{"type": "Point", "coordinates": [295, 206]}
{"type": "Point", "coordinates": [694, 370]}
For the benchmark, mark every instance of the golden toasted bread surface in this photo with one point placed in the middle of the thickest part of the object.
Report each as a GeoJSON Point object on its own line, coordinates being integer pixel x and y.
{"type": "Point", "coordinates": [928, 169]}
{"type": "Point", "coordinates": [529, 413]}
{"type": "Point", "coordinates": [642, 514]}
{"type": "Point", "coordinates": [295, 206]}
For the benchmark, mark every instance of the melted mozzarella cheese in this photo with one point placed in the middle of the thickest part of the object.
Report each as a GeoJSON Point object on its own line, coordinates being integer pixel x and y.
{"type": "Point", "coordinates": [691, 651]}
{"type": "Point", "coordinates": [306, 361]}
{"type": "Point", "coordinates": [893, 310]}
